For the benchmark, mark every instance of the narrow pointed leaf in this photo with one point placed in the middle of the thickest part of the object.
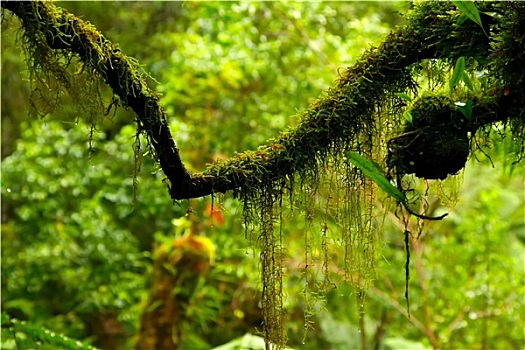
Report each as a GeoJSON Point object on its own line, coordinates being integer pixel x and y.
{"type": "Point", "coordinates": [462, 18]}
{"type": "Point", "coordinates": [467, 81]}
{"type": "Point", "coordinates": [404, 96]}
{"type": "Point", "coordinates": [408, 116]}
{"type": "Point", "coordinates": [371, 171]}
{"type": "Point", "coordinates": [471, 11]}
{"type": "Point", "coordinates": [465, 108]}
{"type": "Point", "coordinates": [458, 73]}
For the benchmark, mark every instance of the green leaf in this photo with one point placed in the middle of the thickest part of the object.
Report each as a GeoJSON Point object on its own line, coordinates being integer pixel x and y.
{"type": "Point", "coordinates": [467, 81]}
{"type": "Point", "coordinates": [248, 341]}
{"type": "Point", "coordinates": [403, 96]}
{"type": "Point", "coordinates": [462, 18]}
{"type": "Point", "coordinates": [465, 108]}
{"type": "Point", "coordinates": [408, 116]}
{"type": "Point", "coordinates": [459, 69]}
{"type": "Point", "coordinates": [37, 337]}
{"type": "Point", "coordinates": [371, 171]}
{"type": "Point", "coordinates": [470, 10]}
{"type": "Point", "coordinates": [6, 320]}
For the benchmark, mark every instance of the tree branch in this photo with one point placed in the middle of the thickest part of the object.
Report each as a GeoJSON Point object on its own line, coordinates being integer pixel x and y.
{"type": "Point", "coordinates": [64, 31]}
{"type": "Point", "coordinates": [338, 115]}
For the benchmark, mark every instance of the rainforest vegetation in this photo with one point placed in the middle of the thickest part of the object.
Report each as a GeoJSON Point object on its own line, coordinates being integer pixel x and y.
{"type": "Point", "coordinates": [263, 175]}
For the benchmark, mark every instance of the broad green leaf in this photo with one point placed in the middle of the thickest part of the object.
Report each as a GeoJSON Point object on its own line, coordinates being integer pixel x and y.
{"type": "Point", "coordinates": [459, 69]}
{"type": "Point", "coordinates": [403, 96]}
{"type": "Point", "coordinates": [467, 81]}
{"type": "Point", "coordinates": [371, 171]}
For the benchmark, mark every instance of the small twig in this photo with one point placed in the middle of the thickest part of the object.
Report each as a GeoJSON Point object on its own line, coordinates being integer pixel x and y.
{"type": "Point", "coordinates": [407, 270]}
{"type": "Point", "coordinates": [396, 305]}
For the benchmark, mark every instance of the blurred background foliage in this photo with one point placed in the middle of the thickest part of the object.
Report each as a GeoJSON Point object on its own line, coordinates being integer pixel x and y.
{"type": "Point", "coordinates": [77, 250]}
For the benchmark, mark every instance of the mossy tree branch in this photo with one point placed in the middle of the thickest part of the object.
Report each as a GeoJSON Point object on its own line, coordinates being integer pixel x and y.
{"type": "Point", "coordinates": [64, 31]}
{"type": "Point", "coordinates": [433, 31]}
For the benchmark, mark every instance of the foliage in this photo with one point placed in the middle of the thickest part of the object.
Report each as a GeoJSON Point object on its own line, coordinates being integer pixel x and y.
{"type": "Point", "coordinates": [467, 271]}
{"type": "Point", "coordinates": [219, 90]}
{"type": "Point", "coordinates": [178, 271]}
{"type": "Point", "coordinates": [246, 342]}
{"type": "Point", "coordinates": [56, 240]}
{"type": "Point", "coordinates": [374, 172]}
{"type": "Point", "coordinates": [470, 10]}
{"type": "Point", "coordinates": [21, 335]}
